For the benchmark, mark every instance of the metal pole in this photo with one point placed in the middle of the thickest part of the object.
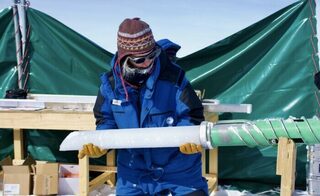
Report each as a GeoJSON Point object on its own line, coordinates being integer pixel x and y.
{"type": "Point", "coordinates": [18, 42]}
{"type": "Point", "coordinates": [23, 24]}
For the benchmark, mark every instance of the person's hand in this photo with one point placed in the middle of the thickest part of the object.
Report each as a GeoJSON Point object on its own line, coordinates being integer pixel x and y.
{"type": "Point", "coordinates": [190, 148]}
{"type": "Point", "coordinates": [92, 151]}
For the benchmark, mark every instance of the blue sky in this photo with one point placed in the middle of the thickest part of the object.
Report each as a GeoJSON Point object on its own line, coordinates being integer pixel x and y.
{"type": "Point", "coordinates": [194, 24]}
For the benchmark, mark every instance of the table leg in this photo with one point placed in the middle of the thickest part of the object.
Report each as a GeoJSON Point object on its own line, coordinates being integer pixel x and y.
{"type": "Point", "coordinates": [111, 161]}
{"type": "Point", "coordinates": [286, 165]}
{"type": "Point", "coordinates": [18, 144]}
{"type": "Point", "coordinates": [84, 176]}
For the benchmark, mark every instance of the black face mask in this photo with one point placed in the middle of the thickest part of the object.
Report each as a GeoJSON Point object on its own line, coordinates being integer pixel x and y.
{"type": "Point", "coordinates": [134, 75]}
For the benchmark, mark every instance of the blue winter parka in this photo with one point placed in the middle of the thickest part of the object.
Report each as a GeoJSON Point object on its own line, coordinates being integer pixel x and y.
{"type": "Point", "coordinates": [166, 99]}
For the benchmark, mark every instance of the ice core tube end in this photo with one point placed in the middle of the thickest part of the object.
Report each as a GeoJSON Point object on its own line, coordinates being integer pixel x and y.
{"type": "Point", "coordinates": [205, 129]}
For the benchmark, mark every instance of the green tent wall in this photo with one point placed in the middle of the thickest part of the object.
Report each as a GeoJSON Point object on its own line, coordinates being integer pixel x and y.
{"type": "Point", "coordinates": [60, 61]}
{"type": "Point", "coordinates": [8, 76]}
{"type": "Point", "coordinates": [270, 65]}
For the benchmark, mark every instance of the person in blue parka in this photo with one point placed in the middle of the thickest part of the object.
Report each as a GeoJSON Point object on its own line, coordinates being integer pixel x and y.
{"type": "Point", "coordinates": [146, 89]}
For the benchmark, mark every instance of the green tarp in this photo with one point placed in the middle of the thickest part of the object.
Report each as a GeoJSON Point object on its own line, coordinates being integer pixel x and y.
{"type": "Point", "coordinates": [270, 65]}
{"type": "Point", "coordinates": [60, 61]}
{"type": "Point", "coordinates": [8, 76]}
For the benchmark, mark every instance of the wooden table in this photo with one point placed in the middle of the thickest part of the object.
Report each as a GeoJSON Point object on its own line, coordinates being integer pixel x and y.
{"type": "Point", "coordinates": [45, 119]}
{"type": "Point", "coordinates": [76, 120]}
{"type": "Point", "coordinates": [68, 120]}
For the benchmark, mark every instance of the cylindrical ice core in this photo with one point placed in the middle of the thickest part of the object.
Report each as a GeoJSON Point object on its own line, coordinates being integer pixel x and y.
{"type": "Point", "coordinates": [133, 138]}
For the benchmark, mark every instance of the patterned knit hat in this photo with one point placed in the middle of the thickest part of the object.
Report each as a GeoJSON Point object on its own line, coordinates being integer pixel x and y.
{"type": "Point", "coordinates": [134, 37]}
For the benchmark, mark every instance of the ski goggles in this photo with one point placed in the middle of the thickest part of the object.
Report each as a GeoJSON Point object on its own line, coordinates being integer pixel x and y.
{"type": "Point", "coordinates": [152, 55]}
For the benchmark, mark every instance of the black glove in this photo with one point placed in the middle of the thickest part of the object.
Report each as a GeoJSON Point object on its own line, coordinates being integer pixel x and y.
{"type": "Point", "coordinates": [317, 80]}
{"type": "Point", "coordinates": [16, 94]}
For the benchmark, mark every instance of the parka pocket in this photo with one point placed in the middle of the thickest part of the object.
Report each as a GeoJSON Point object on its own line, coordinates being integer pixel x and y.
{"type": "Point", "coordinates": [163, 119]}
{"type": "Point", "coordinates": [117, 109]}
{"type": "Point", "coordinates": [118, 114]}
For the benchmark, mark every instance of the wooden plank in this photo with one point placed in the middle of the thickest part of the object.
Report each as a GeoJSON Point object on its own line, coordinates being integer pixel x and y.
{"type": "Point", "coordinates": [212, 181]}
{"type": "Point", "coordinates": [282, 151]}
{"type": "Point", "coordinates": [286, 165]}
{"type": "Point", "coordinates": [213, 160]}
{"type": "Point", "coordinates": [101, 168]}
{"type": "Point", "coordinates": [101, 179]}
{"type": "Point", "coordinates": [47, 119]}
{"type": "Point", "coordinates": [18, 145]}
{"type": "Point", "coordinates": [84, 176]}
{"type": "Point", "coordinates": [111, 162]}
{"type": "Point", "coordinates": [17, 161]}
{"type": "Point", "coordinates": [111, 183]}
{"type": "Point", "coordinates": [212, 176]}
{"type": "Point", "coordinates": [289, 170]}
{"type": "Point", "coordinates": [203, 160]}
{"type": "Point", "coordinates": [213, 166]}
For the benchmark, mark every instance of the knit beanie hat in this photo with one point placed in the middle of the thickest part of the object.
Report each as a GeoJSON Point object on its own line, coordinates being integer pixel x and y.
{"type": "Point", "coordinates": [134, 37]}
